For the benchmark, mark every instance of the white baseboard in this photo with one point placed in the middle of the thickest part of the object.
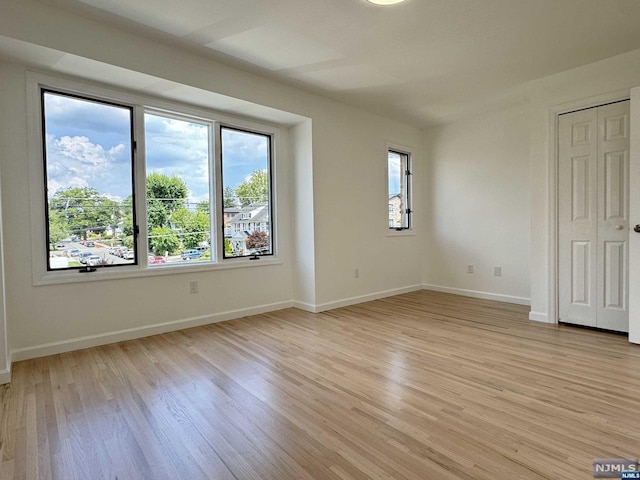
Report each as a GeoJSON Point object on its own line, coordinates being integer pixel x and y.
{"type": "Point", "coordinates": [345, 302]}
{"type": "Point", "coordinates": [63, 346]}
{"type": "Point", "coordinates": [307, 307]}
{"type": "Point", "coordinates": [138, 332]}
{"type": "Point", "coordinates": [539, 317]}
{"type": "Point", "coordinates": [476, 294]}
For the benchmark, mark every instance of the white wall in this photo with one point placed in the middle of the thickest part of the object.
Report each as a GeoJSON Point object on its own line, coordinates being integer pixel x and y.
{"type": "Point", "coordinates": [477, 214]}
{"type": "Point", "coordinates": [343, 221]}
{"type": "Point", "coordinates": [589, 85]}
{"type": "Point", "coordinates": [302, 219]}
{"type": "Point", "coordinates": [478, 205]}
{"type": "Point", "coordinates": [41, 315]}
{"type": "Point", "coordinates": [487, 198]}
{"type": "Point", "coordinates": [351, 215]}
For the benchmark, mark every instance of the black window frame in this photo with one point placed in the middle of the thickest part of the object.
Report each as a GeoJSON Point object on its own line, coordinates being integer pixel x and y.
{"type": "Point", "coordinates": [406, 174]}
{"type": "Point", "coordinates": [271, 230]}
{"type": "Point", "coordinates": [95, 99]}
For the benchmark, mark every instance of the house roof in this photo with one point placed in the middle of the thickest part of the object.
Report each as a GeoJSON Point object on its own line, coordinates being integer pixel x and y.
{"type": "Point", "coordinates": [259, 211]}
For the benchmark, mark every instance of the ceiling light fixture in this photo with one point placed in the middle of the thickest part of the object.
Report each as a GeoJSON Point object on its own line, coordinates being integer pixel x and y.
{"type": "Point", "coordinates": [385, 2]}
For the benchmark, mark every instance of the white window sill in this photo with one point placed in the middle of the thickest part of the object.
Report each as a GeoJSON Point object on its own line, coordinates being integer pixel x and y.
{"type": "Point", "coordinates": [401, 233]}
{"type": "Point", "coordinates": [123, 273]}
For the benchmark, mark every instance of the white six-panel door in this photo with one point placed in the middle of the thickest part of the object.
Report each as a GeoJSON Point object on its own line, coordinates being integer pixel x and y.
{"type": "Point", "coordinates": [593, 176]}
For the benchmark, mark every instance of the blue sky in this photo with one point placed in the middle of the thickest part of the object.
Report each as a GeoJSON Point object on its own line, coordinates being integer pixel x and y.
{"type": "Point", "coordinates": [88, 144]}
{"type": "Point", "coordinates": [394, 173]}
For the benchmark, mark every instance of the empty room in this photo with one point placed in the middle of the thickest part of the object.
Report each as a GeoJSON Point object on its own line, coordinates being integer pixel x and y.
{"type": "Point", "coordinates": [331, 239]}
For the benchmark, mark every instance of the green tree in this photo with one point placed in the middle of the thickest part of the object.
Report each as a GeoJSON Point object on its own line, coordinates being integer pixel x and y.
{"type": "Point", "coordinates": [126, 207]}
{"type": "Point", "coordinates": [163, 239]}
{"type": "Point", "coordinates": [180, 218]}
{"type": "Point", "coordinates": [57, 226]}
{"type": "Point", "coordinates": [254, 189]}
{"type": "Point", "coordinates": [203, 206]}
{"type": "Point", "coordinates": [194, 227]}
{"type": "Point", "coordinates": [110, 209]}
{"type": "Point", "coordinates": [229, 199]}
{"type": "Point", "coordinates": [165, 195]}
{"type": "Point", "coordinates": [84, 209]}
{"type": "Point", "coordinates": [197, 229]}
{"type": "Point", "coordinates": [128, 242]}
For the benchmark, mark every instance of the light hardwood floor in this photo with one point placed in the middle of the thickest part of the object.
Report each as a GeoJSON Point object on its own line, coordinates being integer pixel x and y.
{"type": "Point", "coordinates": [419, 386]}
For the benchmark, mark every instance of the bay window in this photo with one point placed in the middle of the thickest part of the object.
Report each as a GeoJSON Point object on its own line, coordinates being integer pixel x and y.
{"type": "Point", "coordinates": [132, 184]}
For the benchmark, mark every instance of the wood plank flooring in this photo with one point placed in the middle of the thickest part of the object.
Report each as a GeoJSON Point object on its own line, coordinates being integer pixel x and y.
{"type": "Point", "coordinates": [418, 386]}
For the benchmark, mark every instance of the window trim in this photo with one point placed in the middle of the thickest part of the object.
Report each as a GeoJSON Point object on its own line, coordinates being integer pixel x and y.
{"type": "Point", "coordinates": [140, 103]}
{"type": "Point", "coordinates": [409, 152]}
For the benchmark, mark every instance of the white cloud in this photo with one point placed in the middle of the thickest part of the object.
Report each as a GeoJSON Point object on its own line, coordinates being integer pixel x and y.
{"type": "Point", "coordinates": [181, 148]}
{"type": "Point", "coordinates": [245, 146]}
{"type": "Point", "coordinates": [54, 185]}
{"type": "Point", "coordinates": [77, 162]}
{"type": "Point", "coordinates": [117, 150]}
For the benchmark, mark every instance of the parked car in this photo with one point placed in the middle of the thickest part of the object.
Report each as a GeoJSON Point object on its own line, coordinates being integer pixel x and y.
{"type": "Point", "coordinates": [89, 243]}
{"type": "Point", "coordinates": [84, 256]}
{"type": "Point", "coordinates": [61, 245]}
{"type": "Point", "coordinates": [129, 255]}
{"type": "Point", "coordinates": [94, 260]}
{"type": "Point", "coordinates": [156, 260]}
{"type": "Point", "coordinates": [191, 254]}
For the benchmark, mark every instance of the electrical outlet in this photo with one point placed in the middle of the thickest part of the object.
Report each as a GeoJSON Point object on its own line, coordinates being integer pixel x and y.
{"type": "Point", "coordinates": [497, 271]}
{"type": "Point", "coordinates": [356, 273]}
{"type": "Point", "coordinates": [469, 268]}
{"type": "Point", "coordinates": [193, 286]}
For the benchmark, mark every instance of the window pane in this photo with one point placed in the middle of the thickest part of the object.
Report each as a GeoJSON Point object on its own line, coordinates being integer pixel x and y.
{"type": "Point", "coordinates": [246, 181]}
{"type": "Point", "coordinates": [398, 190]}
{"type": "Point", "coordinates": [89, 181]}
{"type": "Point", "coordinates": [178, 189]}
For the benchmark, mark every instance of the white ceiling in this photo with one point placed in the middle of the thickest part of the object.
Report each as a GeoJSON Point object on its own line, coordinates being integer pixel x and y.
{"type": "Point", "coordinates": [422, 61]}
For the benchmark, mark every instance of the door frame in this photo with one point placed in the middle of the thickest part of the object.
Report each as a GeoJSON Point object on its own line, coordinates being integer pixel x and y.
{"type": "Point", "coordinates": [555, 111]}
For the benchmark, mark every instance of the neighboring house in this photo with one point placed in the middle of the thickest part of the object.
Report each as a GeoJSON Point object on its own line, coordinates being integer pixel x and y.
{"type": "Point", "coordinates": [395, 211]}
{"type": "Point", "coordinates": [249, 219]}
{"type": "Point", "coordinates": [229, 214]}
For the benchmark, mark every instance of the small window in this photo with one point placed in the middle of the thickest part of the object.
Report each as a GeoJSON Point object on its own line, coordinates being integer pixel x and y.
{"type": "Point", "coordinates": [246, 177]}
{"type": "Point", "coordinates": [399, 189]}
{"type": "Point", "coordinates": [88, 164]}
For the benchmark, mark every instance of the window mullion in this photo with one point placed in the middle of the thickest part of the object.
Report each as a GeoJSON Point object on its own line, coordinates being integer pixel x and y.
{"type": "Point", "coordinates": [140, 193]}
{"type": "Point", "coordinates": [217, 213]}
